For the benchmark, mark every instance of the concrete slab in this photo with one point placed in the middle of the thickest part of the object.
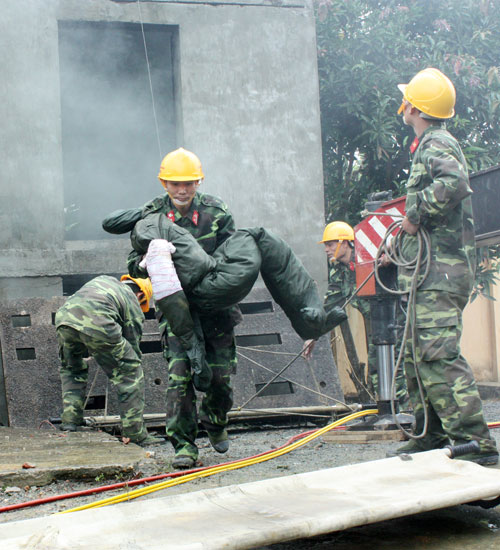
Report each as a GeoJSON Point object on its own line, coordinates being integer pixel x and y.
{"type": "Point", "coordinates": [252, 515]}
{"type": "Point", "coordinates": [38, 457]}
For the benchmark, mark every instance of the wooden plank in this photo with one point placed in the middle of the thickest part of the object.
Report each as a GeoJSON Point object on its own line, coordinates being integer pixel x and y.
{"type": "Point", "coordinates": [355, 436]}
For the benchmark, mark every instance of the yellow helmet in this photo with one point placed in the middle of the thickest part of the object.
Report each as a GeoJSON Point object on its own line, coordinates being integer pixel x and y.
{"type": "Point", "coordinates": [145, 286]}
{"type": "Point", "coordinates": [338, 231]}
{"type": "Point", "coordinates": [180, 165]}
{"type": "Point", "coordinates": [432, 93]}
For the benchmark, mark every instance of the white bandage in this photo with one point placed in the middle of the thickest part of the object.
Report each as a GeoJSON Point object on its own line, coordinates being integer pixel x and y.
{"type": "Point", "coordinates": [161, 269]}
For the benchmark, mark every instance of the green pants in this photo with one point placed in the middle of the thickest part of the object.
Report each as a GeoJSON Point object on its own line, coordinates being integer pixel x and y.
{"type": "Point", "coordinates": [451, 395]}
{"type": "Point", "coordinates": [182, 416]}
{"type": "Point", "coordinates": [121, 365]}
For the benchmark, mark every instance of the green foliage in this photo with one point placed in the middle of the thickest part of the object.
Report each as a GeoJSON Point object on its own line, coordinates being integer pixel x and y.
{"type": "Point", "coordinates": [367, 47]}
{"type": "Point", "coordinates": [486, 272]}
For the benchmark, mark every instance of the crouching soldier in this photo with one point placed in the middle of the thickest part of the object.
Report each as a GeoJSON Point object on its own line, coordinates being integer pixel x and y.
{"type": "Point", "coordinates": [104, 319]}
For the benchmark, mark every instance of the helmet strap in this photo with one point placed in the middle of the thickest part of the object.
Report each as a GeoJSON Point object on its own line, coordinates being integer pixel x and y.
{"type": "Point", "coordinates": [337, 251]}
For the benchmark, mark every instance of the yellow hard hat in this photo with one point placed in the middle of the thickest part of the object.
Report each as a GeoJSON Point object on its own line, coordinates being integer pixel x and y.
{"type": "Point", "coordinates": [180, 165]}
{"type": "Point", "coordinates": [338, 231]}
{"type": "Point", "coordinates": [145, 286]}
{"type": "Point", "coordinates": [432, 93]}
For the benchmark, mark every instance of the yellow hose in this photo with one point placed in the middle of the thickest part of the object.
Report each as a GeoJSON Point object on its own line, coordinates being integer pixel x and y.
{"type": "Point", "coordinates": [130, 495]}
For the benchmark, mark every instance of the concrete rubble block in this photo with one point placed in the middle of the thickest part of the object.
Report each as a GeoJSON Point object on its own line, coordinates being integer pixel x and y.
{"type": "Point", "coordinates": [30, 361]}
{"type": "Point", "coordinates": [39, 457]}
{"type": "Point", "coordinates": [265, 339]}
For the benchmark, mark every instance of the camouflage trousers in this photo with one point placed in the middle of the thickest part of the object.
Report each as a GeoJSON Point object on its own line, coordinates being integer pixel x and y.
{"type": "Point", "coordinates": [451, 396]}
{"type": "Point", "coordinates": [121, 365]}
{"type": "Point", "coordinates": [182, 416]}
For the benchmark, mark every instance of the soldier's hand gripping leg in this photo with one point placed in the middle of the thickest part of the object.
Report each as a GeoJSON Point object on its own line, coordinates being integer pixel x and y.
{"type": "Point", "coordinates": [173, 304]}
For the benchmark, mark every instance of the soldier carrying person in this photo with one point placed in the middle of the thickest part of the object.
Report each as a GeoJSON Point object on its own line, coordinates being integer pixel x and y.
{"type": "Point", "coordinates": [208, 219]}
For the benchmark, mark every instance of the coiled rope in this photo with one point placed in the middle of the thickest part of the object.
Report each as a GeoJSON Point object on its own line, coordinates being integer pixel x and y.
{"type": "Point", "coordinates": [391, 247]}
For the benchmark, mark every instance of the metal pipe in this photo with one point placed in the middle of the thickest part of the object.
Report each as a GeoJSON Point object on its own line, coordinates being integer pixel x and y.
{"type": "Point", "coordinates": [239, 415]}
{"type": "Point", "coordinates": [385, 367]}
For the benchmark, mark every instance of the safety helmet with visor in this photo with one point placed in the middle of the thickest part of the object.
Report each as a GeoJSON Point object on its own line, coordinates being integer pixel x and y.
{"type": "Point", "coordinates": [337, 232]}
{"type": "Point", "coordinates": [180, 165]}
{"type": "Point", "coordinates": [432, 93]}
{"type": "Point", "coordinates": [145, 287]}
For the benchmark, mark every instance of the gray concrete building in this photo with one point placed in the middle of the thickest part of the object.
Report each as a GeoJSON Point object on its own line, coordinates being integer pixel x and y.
{"type": "Point", "coordinates": [95, 92]}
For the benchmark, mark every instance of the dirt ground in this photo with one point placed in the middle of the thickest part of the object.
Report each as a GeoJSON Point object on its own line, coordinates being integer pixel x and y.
{"type": "Point", "coordinates": [244, 442]}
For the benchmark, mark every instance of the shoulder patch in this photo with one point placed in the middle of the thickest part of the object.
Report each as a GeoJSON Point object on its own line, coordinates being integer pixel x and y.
{"type": "Point", "coordinates": [211, 200]}
{"type": "Point", "coordinates": [153, 205]}
{"type": "Point", "coordinates": [441, 135]}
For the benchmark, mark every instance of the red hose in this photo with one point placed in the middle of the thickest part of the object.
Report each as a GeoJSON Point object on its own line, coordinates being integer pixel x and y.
{"type": "Point", "coordinates": [86, 492]}
{"type": "Point", "coordinates": [143, 480]}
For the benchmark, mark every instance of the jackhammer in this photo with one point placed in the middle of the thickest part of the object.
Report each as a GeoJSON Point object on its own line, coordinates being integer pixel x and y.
{"type": "Point", "coordinates": [383, 322]}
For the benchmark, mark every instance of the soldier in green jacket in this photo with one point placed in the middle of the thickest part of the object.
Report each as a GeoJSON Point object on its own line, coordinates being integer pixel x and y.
{"type": "Point", "coordinates": [338, 239]}
{"type": "Point", "coordinates": [438, 200]}
{"type": "Point", "coordinates": [208, 219]}
{"type": "Point", "coordinates": [104, 319]}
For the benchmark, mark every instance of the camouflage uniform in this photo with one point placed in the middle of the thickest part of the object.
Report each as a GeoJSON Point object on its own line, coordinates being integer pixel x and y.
{"type": "Point", "coordinates": [103, 319]}
{"type": "Point", "coordinates": [438, 199]}
{"type": "Point", "coordinates": [341, 286]}
{"type": "Point", "coordinates": [211, 223]}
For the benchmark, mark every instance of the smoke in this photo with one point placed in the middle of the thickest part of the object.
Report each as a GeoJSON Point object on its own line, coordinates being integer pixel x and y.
{"type": "Point", "coordinates": [111, 150]}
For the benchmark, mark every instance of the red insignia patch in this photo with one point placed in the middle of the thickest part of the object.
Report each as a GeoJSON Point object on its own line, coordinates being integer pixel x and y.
{"type": "Point", "coordinates": [195, 217]}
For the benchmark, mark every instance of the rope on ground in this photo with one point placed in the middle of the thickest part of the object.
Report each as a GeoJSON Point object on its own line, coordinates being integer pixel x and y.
{"type": "Point", "coordinates": [298, 384]}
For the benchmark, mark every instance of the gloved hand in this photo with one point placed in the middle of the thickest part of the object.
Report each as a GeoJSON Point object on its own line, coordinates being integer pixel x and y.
{"type": "Point", "coordinates": [202, 373]}
{"type": "Point", "coordinates": [334, 317]}
{"type": "Point", "coordinates": [175, 309]}
{"type": "Point", "coordinates": [161, 269]}
{"type": "Point", "coordinates": [308, 348]}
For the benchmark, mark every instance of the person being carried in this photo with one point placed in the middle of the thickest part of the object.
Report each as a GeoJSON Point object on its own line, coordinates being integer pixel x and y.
{"type": "Point", "coordinates": [104, 319]}
{"type": "Point", "coordinates": [200, 269]}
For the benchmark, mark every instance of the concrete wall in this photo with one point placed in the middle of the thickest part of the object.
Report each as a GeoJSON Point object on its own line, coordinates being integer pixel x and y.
{"type": "Point", "coordinates": [481, 337]}
{"type": "Point", "coordinates": [248, 105]}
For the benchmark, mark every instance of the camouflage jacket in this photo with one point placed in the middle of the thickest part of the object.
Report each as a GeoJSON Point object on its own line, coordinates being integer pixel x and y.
{"type": "Point", "coordinates": [208, 218]}
{"type": "Point", "coordinates": [341, 285]}
{"type": "Point", "coordinates": [105, 309]}
{"type": "Point", "coordinates": [438, 198]}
